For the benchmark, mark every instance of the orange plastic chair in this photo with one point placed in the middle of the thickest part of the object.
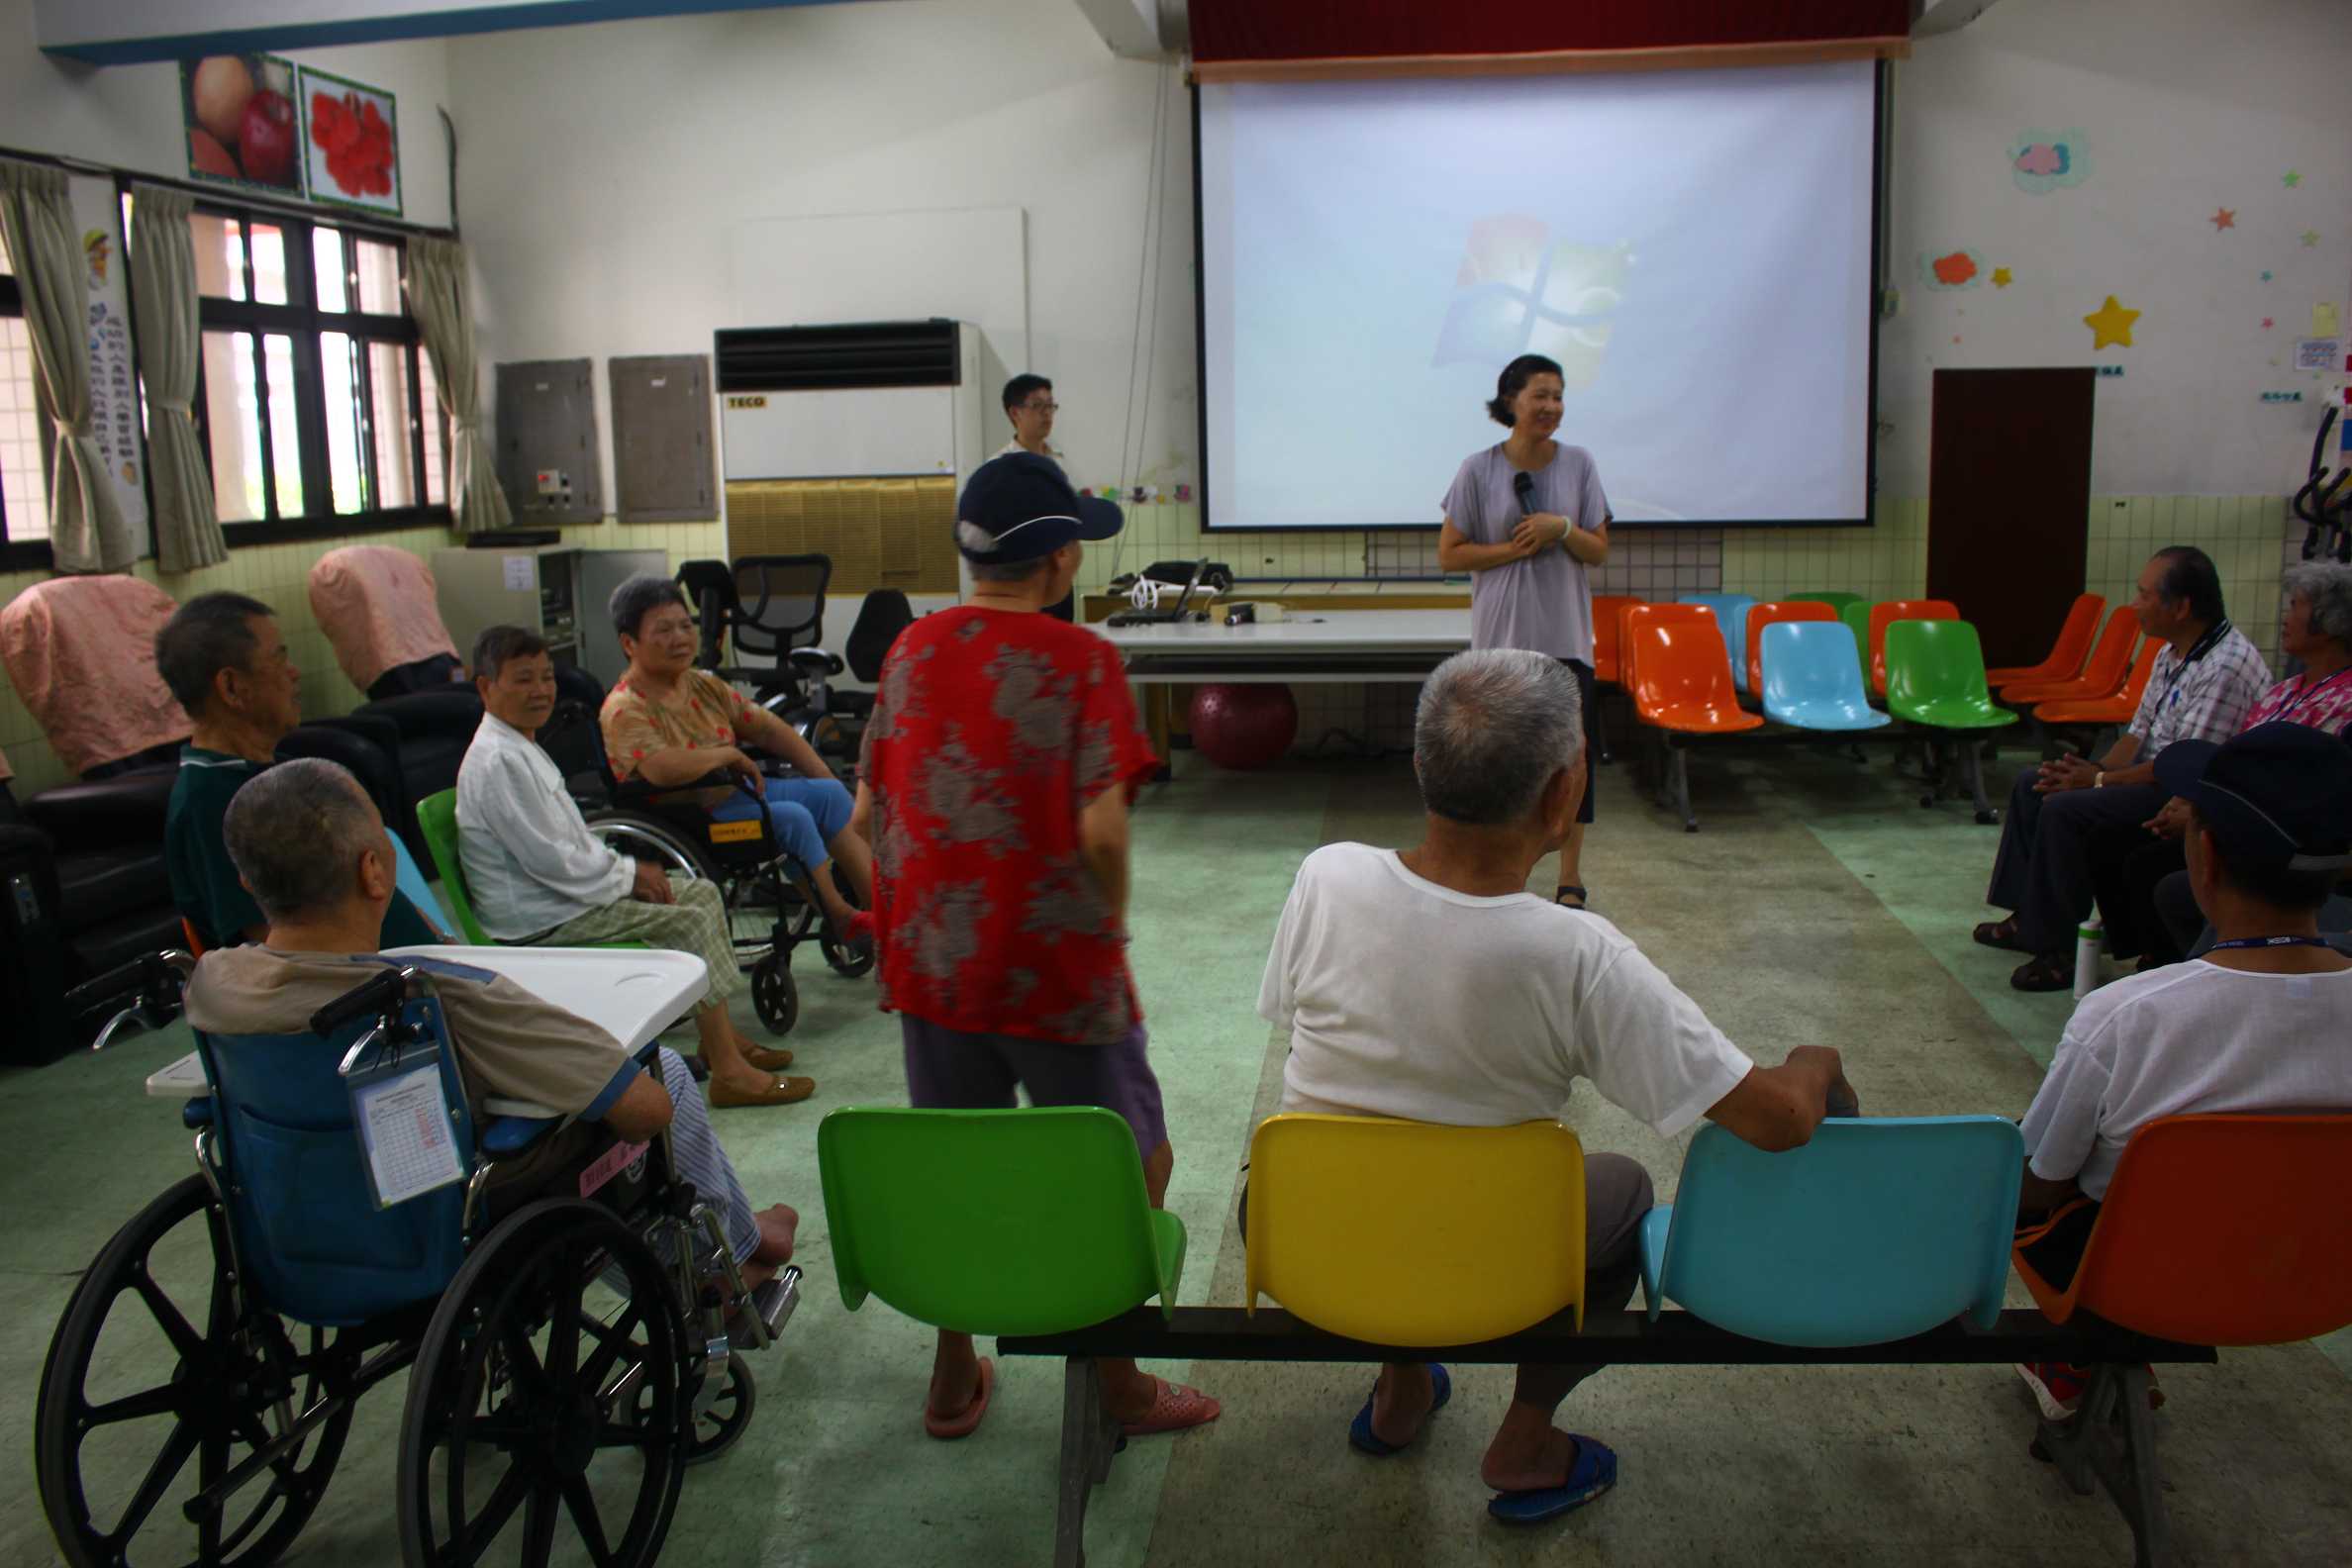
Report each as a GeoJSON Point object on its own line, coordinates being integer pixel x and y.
{"type": "Point", "coordinates": [1680, 679]}
{"type": "Point", "coordinates": [2216, 1231]}
{"type": "Point", "coordinates": [2104, 673]}
{"type": "Point", "coordinates": [1762, 616]}
{"type": "Point", "coordinates": [2066, 654]}
{"type": "Point", "coordinates": [1636, 613]}
{"type": "Point", "coordinates": [2118, 708]}
{"type": "Point", "coordinates": [1606, 610]}
{"type": "Point", "coordinates": [1885, 614]}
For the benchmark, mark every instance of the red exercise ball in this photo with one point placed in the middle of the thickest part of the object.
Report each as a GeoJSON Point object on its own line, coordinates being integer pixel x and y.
{"type": "Point", "coordinates": [1243, 726]}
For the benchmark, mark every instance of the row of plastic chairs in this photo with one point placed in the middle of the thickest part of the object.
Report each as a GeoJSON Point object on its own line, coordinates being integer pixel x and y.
{"type": "Point", "coordinates": [1035, 1222]}
{"type": "Point", "coordinates": [2082, 681]}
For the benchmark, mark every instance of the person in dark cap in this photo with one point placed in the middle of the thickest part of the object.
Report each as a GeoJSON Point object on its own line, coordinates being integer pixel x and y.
{"type": "Point", "coordinates": [2257, 1024]}
{"type": "Point", "coordinates": [996, 775]}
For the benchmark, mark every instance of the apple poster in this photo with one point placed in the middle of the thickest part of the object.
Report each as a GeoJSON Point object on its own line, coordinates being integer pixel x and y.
{"type": "Point", "coordinates": [242, 123]}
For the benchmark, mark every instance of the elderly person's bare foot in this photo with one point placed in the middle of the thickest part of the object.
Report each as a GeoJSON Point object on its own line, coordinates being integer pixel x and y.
{"type": "Point", "coordinates": [779, 1224]}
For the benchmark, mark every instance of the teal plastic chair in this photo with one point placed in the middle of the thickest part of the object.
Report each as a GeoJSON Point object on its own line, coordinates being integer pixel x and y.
{"type": "Point", "coordinates": [1935, 676]}
{"type": "Point", "coordinates": [1876, 1230]}
{"type": "Point", "coordinates": [1812, 677]}
{"type": "Point", "coordinates": [1027, 1222]}
{"type": "Point", "coordinates": [1835, 601]}
{"type": "Point", "coordinates": [1730, 612]}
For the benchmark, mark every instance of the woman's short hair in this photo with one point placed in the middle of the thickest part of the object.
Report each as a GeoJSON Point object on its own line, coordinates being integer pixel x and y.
{"type": "Point", "coordinates": [639, 596]}
{"type": "Point", "coordinates": [500, 646]}
{"type": "Point", "coordinates": [293, 831]}
{"type": "Point", "coordinates": [1491, 729]}
{"type": "Point", "coordinates": [1513, 382]}
{"type": "Point", "coordinates": [2327, 586]}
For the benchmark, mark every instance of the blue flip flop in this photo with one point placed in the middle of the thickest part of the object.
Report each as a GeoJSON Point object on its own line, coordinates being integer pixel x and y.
{"type": "Point", "coordinates": [1363, 1439]}
{"type": "Point", "coordinates": [1594, 1473]}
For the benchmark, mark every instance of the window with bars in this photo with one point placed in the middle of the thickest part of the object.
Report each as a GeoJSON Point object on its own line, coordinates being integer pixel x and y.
{"type": "Point", "coordinates": [24, 474]}
{"type": "Point", "coordinates": [316, 402]}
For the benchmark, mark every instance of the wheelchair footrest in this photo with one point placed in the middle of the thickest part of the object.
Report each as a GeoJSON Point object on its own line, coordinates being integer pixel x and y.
{"type": "Point", "coordinates": [774, 1301]}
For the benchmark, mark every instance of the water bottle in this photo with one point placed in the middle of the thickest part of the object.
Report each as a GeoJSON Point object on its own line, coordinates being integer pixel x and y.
{"type": "Point", "coordinates": [2090, 938]}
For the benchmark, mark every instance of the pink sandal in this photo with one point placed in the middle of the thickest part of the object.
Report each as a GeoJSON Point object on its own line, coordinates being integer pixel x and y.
{"type": "Point", "coordinates": [1173, 1408]}
{"type": "Point", "coordinates": [967, 1421]}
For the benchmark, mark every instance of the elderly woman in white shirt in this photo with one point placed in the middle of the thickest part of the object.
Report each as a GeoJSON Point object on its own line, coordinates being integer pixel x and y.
{"type": "Point", "coordinates": [535, 874]}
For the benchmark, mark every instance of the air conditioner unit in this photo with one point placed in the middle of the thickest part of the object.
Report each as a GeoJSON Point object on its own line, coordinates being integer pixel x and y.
{"type": "Point", "coordinates": [852, 440]}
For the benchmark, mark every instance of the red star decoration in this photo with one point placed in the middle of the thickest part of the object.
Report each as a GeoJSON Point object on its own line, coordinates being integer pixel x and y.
{"type": "Point", "coordinates": [2222, 219]}
{"type": "Point", "coordinates": [2266, 323]}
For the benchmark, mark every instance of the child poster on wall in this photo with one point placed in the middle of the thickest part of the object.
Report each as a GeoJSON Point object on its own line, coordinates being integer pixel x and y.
{"type": "Point", "coordinates": [351, 142]}
{"type": "Point", "coordinates": [239, 114]}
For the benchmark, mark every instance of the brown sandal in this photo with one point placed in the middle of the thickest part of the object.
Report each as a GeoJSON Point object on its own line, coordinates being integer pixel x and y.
{"type": "Point", "coordinates": [2043, 972]}
{"type": "Point", "coordinates": [780, 1091]}
{"type": "Point", "coordinates": [2002, 934]}
{"type": "Point", "coordinates": [768, 1058]}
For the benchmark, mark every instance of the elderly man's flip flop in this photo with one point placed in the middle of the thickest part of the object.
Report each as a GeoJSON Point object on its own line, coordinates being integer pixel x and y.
{"type": "Point", "coordinates": [1364, 1439]}
{"type": "Point", "coordinates": [1592, 1473]}
{"type": "Point", "coordinates": [966, 1422]}
{"type": "Point", "coordinates": [1173, 1408]}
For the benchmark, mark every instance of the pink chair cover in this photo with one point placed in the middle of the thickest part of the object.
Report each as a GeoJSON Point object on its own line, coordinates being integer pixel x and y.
{"type": "Point", "coordinates": [381, 608]}
{"type": "Point", "coordinates": [81, 654]}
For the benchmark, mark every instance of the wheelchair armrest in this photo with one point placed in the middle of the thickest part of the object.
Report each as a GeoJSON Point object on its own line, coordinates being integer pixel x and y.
{"type": "Point", "coordinates": [817, 661]}
{"type": "Point", "coordinates": [505, 1137]}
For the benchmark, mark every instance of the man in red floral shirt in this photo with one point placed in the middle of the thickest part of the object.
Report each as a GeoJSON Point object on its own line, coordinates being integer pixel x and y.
{"type": "Point", "coordinates": [998, 767]}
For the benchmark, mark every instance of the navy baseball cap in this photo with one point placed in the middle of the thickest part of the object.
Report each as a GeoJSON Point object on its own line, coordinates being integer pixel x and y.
{"type": "Point", "coordinates": [1021, 507]}
{"type": "Point", "coordinates": [2275, 795]}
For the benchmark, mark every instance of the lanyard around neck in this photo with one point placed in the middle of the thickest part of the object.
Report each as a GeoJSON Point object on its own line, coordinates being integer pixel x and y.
{"type": "Point", "coordinates": [2268, 941]}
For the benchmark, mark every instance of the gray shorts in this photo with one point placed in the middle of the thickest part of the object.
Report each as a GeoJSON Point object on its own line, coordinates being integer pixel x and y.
{"type": "Point", "coordinates": [952, 1070]}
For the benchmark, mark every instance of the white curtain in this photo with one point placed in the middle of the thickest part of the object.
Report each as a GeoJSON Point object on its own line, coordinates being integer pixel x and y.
{"type": "Point", "coordinates": [163, 305]}
{"type": "Point", "coordinates": [87, 532]}
{"type": "Point", "coordinates": [437, 297]}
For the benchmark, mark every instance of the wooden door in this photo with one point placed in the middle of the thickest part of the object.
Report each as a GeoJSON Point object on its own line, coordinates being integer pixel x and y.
{"type": "Point", "coordinates": [2008, 502]}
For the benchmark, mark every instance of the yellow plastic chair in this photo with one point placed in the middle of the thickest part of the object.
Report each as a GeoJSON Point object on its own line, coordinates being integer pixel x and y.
{"type": "Point", "coordinates": [1406, 1233]}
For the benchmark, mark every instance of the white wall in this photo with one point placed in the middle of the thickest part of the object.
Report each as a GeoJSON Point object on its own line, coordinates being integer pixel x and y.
{"type": "Point", "coordinates": [2188, 106]}
{"type": "Point", "coordinates": [604, 168]}
{"type": "Point", "coordinates": [128, 117]}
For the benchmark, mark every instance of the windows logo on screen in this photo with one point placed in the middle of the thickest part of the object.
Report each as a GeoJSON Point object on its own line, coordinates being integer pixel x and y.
{"type": "Point", "coordinates": [1519, 293]}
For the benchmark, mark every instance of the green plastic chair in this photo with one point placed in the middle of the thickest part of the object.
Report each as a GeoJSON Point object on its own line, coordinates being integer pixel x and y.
{"type": "Point", "coordinates": [1935, 676]}
{"type": "Point", "coordinates": [1856, 614]}
{"type": "Point", "coordinates": [436, 819]}
{"type": "Point", "coordinates": [1835, 601]}
{"type": "Point", "coordinates": [1027, 1222]}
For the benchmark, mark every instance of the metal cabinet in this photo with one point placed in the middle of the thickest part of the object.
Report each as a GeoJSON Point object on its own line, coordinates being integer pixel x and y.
{"type": "Point", "coordinates": [557, 590]}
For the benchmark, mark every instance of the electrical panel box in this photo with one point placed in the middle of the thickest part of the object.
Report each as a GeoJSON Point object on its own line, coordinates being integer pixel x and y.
{"type": "Point", "coordinates": [549, 464]}
{"type": "Point", "coordinates": [661, 440]}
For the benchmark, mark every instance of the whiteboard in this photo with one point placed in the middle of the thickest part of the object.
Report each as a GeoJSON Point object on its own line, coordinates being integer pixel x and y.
{"type": "Point", "coordinates": [970, 264]}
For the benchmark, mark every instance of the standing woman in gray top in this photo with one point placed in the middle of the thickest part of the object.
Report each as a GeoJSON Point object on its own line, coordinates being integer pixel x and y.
{"type": "Point", "coordinates": [1527, 518]}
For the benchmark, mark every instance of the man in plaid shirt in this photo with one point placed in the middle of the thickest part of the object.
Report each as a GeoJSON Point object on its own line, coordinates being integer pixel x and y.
{"type": "Point", "coordinates": [2204, 683]}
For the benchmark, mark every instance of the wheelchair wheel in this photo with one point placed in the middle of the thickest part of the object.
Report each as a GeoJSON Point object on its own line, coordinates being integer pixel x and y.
{"type": "Point", "coordinates": [545, 1389]}
{"type": "Point", "coordinates": [646, 837]}
{"type": "Point", "coordinates": [775, 995]}
{"type": "Point", "coordinates": [111, 1445]}
{"type": "Point", "coordinates": [722, 1426]}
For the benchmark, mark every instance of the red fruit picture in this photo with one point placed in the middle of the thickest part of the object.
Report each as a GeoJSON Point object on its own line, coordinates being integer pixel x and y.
{"type": "Point", "coordinates": [351, 143]}
{"type": "Point", "coordinates": [241, 125]}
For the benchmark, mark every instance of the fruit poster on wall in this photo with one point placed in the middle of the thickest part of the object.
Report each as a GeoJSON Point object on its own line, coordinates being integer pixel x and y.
{"type": "Point", "coordinates": [240, 120]}
{"type": "Point", "coordinates": [351, 142]}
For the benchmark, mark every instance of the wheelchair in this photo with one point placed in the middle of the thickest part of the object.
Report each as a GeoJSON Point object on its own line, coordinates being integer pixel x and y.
{"type": "Point", "coordinates": [771, 909]}
{"type": "Point", "coordinates": [572, 1335]}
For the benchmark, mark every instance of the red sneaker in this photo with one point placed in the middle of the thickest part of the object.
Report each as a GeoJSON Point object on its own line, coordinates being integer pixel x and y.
{"type": "Point", "coordinates": [2057, 1387]}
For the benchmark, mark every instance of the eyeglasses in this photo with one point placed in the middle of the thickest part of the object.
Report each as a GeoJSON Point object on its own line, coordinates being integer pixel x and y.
{"type": "Point", "coordinates": [1042, 407]}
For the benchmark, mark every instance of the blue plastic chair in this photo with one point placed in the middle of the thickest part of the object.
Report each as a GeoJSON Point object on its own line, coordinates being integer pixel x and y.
{"type": "Point", "coordinates": [1730, 614]}
{"type": "Point", "coordinates": [1812, 677]}
{"type": "Point", "coordinates": [1876, 1230]}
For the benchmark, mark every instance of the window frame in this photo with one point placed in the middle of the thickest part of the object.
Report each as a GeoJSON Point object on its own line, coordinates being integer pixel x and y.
{"type": "Point", "coordinates": [305, 322]}
{"type": "Point", "coordinates": [34, 554]}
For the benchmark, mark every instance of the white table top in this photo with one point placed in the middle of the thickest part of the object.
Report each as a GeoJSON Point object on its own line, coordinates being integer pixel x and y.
{"type": "Point", "coordinates": [634, 994]}
{"type": "Point", "coordinates": [1338, 631]}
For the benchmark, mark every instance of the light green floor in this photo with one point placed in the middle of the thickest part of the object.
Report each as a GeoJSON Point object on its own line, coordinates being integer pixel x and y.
{"type": "Point", "coordinates": [1820, 903]}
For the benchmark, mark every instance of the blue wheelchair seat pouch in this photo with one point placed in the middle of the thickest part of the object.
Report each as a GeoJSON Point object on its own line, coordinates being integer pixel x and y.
{"type": "Point", "coordinates": [324, 1238]}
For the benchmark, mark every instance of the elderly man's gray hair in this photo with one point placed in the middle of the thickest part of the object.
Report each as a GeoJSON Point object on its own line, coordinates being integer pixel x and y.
{"type": "Point", "coordinates": [293, 832]}
{"type": "Point", "coordinates": [2328, 587]}
{"type": "Point", "coordinates": [1492, 727]}
{"type": "Point", "coordinates": [639, 596]}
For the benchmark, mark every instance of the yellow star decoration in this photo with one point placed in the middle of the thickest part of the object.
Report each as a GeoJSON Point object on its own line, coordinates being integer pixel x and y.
{"type": "Point", "coordinates": [2002, 278]}
{"type": "Point", "coordinates": [2111, 323]}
